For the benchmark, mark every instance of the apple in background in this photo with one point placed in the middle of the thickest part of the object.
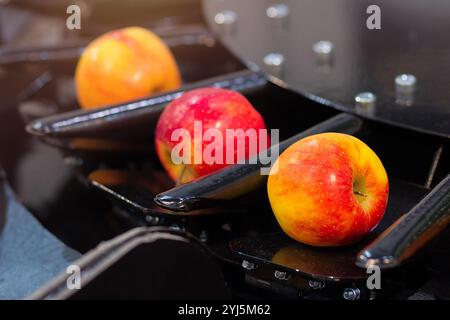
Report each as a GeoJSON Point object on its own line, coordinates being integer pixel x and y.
{"type": "Point", "coordinates": [124, 65]}
{"type": "Point", "coordinates": [328, 189]}
{"type": "Point", "coordinates": [215, 108]}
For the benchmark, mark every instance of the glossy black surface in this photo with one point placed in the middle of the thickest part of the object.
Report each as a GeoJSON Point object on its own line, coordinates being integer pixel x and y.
{"type": "Point", "coordinates": [328, 264]}
{"type": "Point", "coordinates": [134, 190]}
{"type": "Point", "coordinates": [411, 40]}
{"type": "Point", "coordinates": [411, 232]}
{"type": "Point", "coordinates": [240, 179]}
{"type": "Point", "coordinates": [37, 82]}
{"type": "Point", "coordinates": [131, 125]}
{"type": "Point", "coordinates": [138, 193]}
{"type": "Point", "coordinates": [143, 263]}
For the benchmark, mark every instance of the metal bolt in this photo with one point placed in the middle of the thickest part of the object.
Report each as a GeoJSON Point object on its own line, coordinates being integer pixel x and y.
{"type": "Point", "coordinates": [203, 236]}
{"type": "Point", "coordinates": [247, 265]}
{"type": "Point", "coordinates": [365, 103]}
{"type": "Point", "coordinates": [225, 17]}
{"type": "Point", "coordinates": [274, 59]}
{"type": "Point", "coordinates": [274, 63]}
{"type": "Point", "coordinates": [226, 20]}
{"type": "Point", "coordinates": [152, 220]}
{"type": "Point", "coordinates": [176, 227]}
{"type": "Point", "coordinates": [405, 85]}
{"type": "Point", "coordinates": [323, 49]}
{"type": "Point", "coordinates": [316, 284]}
{"type": "Point", "coordinates": [405, 80]}
{"type": "Point", "coordinates": [281, 275]}
{"type": "Point", "coordinates": [277, 11]}
{"type": "Point", "coordinates": [365, 98]}
{"type": "Point", "coordinates": [351, 294]}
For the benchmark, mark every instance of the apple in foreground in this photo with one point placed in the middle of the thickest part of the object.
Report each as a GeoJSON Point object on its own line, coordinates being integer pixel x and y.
{"type": "Point", "coordinates": [328, 189]}
{"type": "Point", "coordinates": [198, 112]}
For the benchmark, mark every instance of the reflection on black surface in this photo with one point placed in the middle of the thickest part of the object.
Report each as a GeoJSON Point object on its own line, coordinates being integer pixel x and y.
{"type": "Point", "coordinates": [332, 264]}
{"type": "Point", "coordinates": [39, 173]}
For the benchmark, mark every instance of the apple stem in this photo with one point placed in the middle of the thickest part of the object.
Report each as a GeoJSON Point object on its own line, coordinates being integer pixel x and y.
{"type": "Point", "coordinates": [360, 194]}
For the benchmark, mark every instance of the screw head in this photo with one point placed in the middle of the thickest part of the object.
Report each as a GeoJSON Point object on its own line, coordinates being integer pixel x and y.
{"type": "Point", "coordinates": [274, 64]}
{"type": "Point", "coordinates": [315, 285]}
{"type": "Point", "coordinates": [351, 294]}
{"type": "Point", "coordinates": [274, 60]}
{"type": "Point", "coordinates": [226, 20]}
{"type": "Point", "coordinates": [203, 236]}
{"type": "Point", "coordinates": [175, 227]}
{"type": "Point", "coordinates": [247, 265]}
{"type": "Point", "coordinates": [365, 98]}
{"type": "Point", "coordinates": [323, 48]}
{"type": "Point", "coordinates": [277, 11]}
{"type": "Point", "coordinates": [405, 80]}
{"type": "Point", "coordinates": [404, 89]}
{"type": "Point", "coordinates": [282, 275]}
{"type": "Point", "coordinates": [153, 220]}
{"type": "Point", "coordinates": [225, 17]}
{"type": "Point", "coordinates": [365, 103]}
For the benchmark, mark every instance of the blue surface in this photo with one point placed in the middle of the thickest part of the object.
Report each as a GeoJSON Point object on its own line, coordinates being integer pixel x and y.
{"type": "Point", "coordinates": [30, 256]}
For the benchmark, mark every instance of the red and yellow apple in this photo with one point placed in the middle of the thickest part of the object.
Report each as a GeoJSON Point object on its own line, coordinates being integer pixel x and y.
{"type": "Point", "coordinates": [328, 189]}
{"type": "Point", "coordinates": [124, 65]}
{"type": "Point", "coordinates": [214, 108]}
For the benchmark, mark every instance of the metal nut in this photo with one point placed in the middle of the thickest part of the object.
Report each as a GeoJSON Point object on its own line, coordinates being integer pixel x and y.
{"type": "Point", "coordinates": [277, 11]}
{"type": "Point", "coordinates": [351, 294]}
{"type": "Point", "coordinates": [405, 85]}
{"type": "Point", "coordinates": [274, 63]}
{"type": "Point", "coordinates": [323, 48]}
{"type": "Point", "coordinates": [247, 265]}
{"type": "Point", "coordinates": [315, 285]}
{"type": "Point", "coordinates": [226, 20]}
{"type": "Point", "coordinates": [282, 275]}
{"type": "Point", "coordinates": [365, 103]}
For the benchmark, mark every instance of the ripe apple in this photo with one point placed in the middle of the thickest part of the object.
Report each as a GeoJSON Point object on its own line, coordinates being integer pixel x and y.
{"type": "Point", "coordinates": [198, 112]}
{"type": "Point", "coordinates": [328, 189]}
{"type": "Point", "coordinates": [124, 65]}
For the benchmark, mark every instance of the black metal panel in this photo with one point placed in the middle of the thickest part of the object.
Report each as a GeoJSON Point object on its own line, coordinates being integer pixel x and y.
{"type": "Point", "coordinates": [144, 263]}
{"type": "Point", "coordinates": [362, 60]}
